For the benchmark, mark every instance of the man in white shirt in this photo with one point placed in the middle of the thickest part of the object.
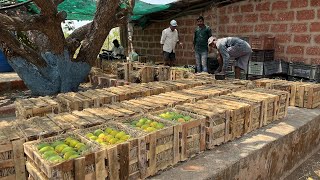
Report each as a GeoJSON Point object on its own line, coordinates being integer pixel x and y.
{"type": "Point", "coordinates": [117, 50]}
{"type": "Point", "coordinates": [169, 39]}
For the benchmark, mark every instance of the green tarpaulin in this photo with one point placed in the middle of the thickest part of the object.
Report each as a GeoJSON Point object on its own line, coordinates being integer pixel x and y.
{"type": "Point", "coordinates": [85, 9]}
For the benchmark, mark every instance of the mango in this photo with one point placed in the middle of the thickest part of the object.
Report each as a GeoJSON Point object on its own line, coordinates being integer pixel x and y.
{"type": "Point", "coordinates": [66, 149]}
{"type": "Point", "coordinates": [120, 135]}
{"type": "Point", "coordinates": [97, 132]}
{"type": "Point", "coordinates": [73, 156]}
{"type": "Point", "coordinates": [60, 147]}
{"type": "Point", "coordinates": [108, 130]}
{"type": "Point", "coordinates": [56, 143]}
{"type": "Point", "coordinates": [41, 145]}
{"type": "Point", "coordinates": [68, 154]}
{"type": "Point", "coordinates": [46, 148]}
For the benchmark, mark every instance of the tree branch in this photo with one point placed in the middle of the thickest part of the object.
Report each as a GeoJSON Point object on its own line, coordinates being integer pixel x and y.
{"type": "Point", "coordinates": [24, 51]}
{"type": "Point", "coordinates": [57, 2]}
{"type": "Point", "coordinates": [80, 33]}
{"type": "Point", "coordinates": [47, 7]}
{"type": "Point", "coordinates": [103, 22]}
{"type": "Point", "coordinates": [23, 23]}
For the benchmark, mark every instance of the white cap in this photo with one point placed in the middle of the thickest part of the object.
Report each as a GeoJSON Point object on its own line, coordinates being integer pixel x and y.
{"type": "Point", "coordinates": [211, 40]}
{"type": "Point", "coordinates": [173, 23]}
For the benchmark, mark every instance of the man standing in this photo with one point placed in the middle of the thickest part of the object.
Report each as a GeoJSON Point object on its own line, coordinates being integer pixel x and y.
{"type": "Point", "coordinates": [169, 39]}
{"type": "Point", "coordinates": [200, 43]}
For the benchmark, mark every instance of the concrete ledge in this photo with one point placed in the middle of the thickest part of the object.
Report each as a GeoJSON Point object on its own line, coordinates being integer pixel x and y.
{"type": "Point", "coordinates": [268, 153]}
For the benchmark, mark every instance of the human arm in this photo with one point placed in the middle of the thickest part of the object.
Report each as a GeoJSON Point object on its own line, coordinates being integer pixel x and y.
{"type": "Point", "coordinates": [224, 55]}
{"type": "Point", "coordinates": [163, 37]}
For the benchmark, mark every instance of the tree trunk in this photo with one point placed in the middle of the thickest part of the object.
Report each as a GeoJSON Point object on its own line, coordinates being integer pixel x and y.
{"type": "Point", "coordinates": [49, 68]}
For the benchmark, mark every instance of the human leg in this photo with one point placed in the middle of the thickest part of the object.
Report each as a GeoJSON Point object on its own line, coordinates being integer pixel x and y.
{"type": "Point", "coordinates": [172, 57]}
{"type": "Point", "coordinates": [198, 61]}
{"type": "Point", "coordinates": [204, 59]}
{"type": "Point", "coordinates": [241, 64]}
{"type": "Point", "coordinates": [237, 72]}
{"type": "Point", "coordinates": [166, 58]}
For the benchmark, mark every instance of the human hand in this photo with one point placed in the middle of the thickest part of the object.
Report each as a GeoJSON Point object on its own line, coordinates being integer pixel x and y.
{"type": "Point", "coordinates": [181, 44]}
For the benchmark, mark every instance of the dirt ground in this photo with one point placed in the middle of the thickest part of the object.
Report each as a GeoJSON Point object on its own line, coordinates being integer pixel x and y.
{"type": "Point", "coordinates": [309, 170]}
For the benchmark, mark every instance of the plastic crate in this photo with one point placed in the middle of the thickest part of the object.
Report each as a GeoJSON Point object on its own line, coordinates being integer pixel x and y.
{"type": "Point", "coordinates": [231, 74]}
{"type": "Point", "coordinates": [262, 43]}
{"type": "Point", "coordinates": [262, 55]}
{"type": "Point", "coordinates": [230, 66]}
{"type": "Point", "coordinates": [275, 67]}
{"type": "Point", "coordinates": [255, 68]}
{"type": "Point", "coordinates": [311, 72]}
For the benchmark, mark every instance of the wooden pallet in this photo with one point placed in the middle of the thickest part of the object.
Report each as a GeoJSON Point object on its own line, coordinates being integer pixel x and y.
{"type": "Point", "coordinates": [26, 108]}
{"type": "Point", "coordinates": [216, 123]}
{"type": "Point", "coordinates": [162, 145]}
{"type": "Point", "coordinates": [12, 160]}
{"type": "Point", "coordinates": [129, 161]}
{"type": "Point", "coordinates": [192, 140]}
{"type": "Point", "coordinates": [71, 169]}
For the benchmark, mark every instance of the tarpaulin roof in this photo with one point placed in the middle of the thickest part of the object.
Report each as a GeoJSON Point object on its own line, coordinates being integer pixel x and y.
{"type": "Point", "coordinates": [85, 9]}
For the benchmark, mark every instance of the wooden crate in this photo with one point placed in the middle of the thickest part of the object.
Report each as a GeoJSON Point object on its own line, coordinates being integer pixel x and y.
{"type": "Point", "coordinates": [192, 138]}
{"type": "Point", "coordinates": [160, 100]}
{"type": "Point", "coordinates": [162, 146]}
{"type": "Point", "coordinates": [266, 83]}
{"type": "Point", "coordinates": [176, 74]}
{"type": "Point", "coordinates": [256, 111]}
{"type": "Point", "coordinates": [162, 73]}
{"type": "Point", "coordinates": [239, 116]}
{"type": "Point", "coordinates": [247, 83]}
{"type": "Point", "coordinates": [106, 113]}
{"type": "Point", "coordinates": [217, 120]}
{"type": "Point", "coordinates": [270, 103]}
{"type": "Point", "coordinates": [130, 159]}
{"type": "Point", "coordinates": [231, 87]}
{"type": "Point", "coordinates": [39, 127]}
{"type": "Point", "coordinates": [74, 101]}
{"type": "Point", "coordinates": [26, 108]}
{"type": "Point", "coordinates": [207, 91]}
{"type": "Point", "coordinates": [283, 100]}
{"type": "Point", "coordinates": [75, 120]}
{"type": "Point", "coordinates": [290, 87]}
{"type": "Point", "coordinates": [308, 95]}
{"type": "Point", "coordinates": [67, 169]}
{"type": "Point", "coordinates": [262, 43]}
{"type": "Point", "coordinates": [167, 86]}
{"type": "Point", "coordinates": [12, 159]}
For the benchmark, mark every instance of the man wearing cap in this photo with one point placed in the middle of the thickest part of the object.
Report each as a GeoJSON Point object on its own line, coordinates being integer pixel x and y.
{"type": "Point", "coordinates": [169, 39]}
{"type": "Point", "coordinates": [231, 47]}
{"type": "Point", "coordinates": [200, 40]}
